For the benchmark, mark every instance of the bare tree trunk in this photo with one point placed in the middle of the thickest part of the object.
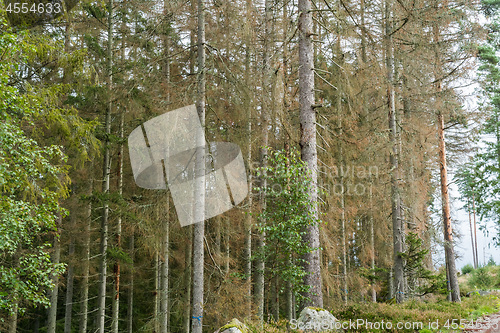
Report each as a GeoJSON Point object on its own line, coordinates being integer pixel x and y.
{"type": "Point", "coordinates": [199, 195]}
{"type": "Point", "coordinates": [289, 306]}
{"type": "Point", "coordinates": [397, 225]}
{"type": "Point", "coordinates": [13, 318]}
{"type": "Point", "coordinates": [341, 166]}
{"type": "Point", "coordinates": [86, 264]}
{"type": "Point", "coordinates": [52, 314]}
{"type": "Point", "coordinates": [448, 234]}
{"type": "Point", "coordinates": [372, 247]}
{"type": "Point", "coordinates": [164, 271]}
{"type": "Point", "coordinates": [475, 229]}
{"type": "Point", "coordinates": [187, 278]}
{"type": "Point", "coordinates": [106, 177]}
{"type": "Point", "coordinates": [472, 236]}
{"type": "Point", "coordinates": [308, 150]}
{"type": "Point", "coordinates": [130, 296]}
{"type": "Point", "coordinates": [266, 107]}
{"type": "Point", "coordinates": [116, 268]}
{"type": "Point", "coordinates": [156, 315]}
{"type": "Point", "coordinates": [249, 108]}
{"type": "Point", "coordinates": [69, 280]}
{"type": "Point", "coordinates": [227, 247]}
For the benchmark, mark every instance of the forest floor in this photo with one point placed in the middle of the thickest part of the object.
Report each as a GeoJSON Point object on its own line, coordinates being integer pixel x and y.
{"type": "Point", "coordinates": [487, 324]}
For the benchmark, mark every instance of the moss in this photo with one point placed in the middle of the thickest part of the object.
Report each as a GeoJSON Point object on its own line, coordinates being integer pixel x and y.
{"type": "Point", "coordinates": [234, 323]}
{"type": "Point", "coordinates": [316, 309]}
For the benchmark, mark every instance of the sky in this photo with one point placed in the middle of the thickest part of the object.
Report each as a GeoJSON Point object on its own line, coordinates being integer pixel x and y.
{"type": "Point", "coordinates": [463, 246]}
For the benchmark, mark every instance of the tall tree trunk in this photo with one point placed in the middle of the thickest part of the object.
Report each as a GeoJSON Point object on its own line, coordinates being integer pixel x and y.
{"type": "Point", "coordinates": [13, 317]}
{"type": "Point", "coordinates": [52, 314]}
{"type": "Point", "coordinates": [86, 263]}
{"type": "Point", "coordinates": [69, 279]}
{"type": "Point", "coordinates": [308, 151]}
{"type": "Point", "coordinates": [475, 229]}
{"type": "Point", "coordinates": [289, 307]}
{"type": "Point", "coordinates": [397, 225]}
{"type": "Point", "coordinates": [448, 234]}
{"type": "Point", "coordinates": [265, 120]}
{"type": "Point", "coordinates": [156, 315]}
{"type": "Point", "coordinates": [372, 247]}
{"type": "Point", "coordinates": [342, 167]}
{"type": "Point", "coordinates": [472, 235]}
{"type": "Point", "coordinates": [249, 107]}
{"type": "Point", "coordinates": [130, 296]}
{"type": "Point", "coordinates": [116, 268]}
{"type": "Point", "coordinates": [164, 271]}
{"type": "Point", "coordinates": [188, 257]}
{"type": "Point", "coordinates": [248, 221]}
{"type": "Point", "coordinates": [106, 176]}
{"type": "Point", "coordinates": [187, 279]}
{"type": "Point", "coordinates": [199, 195]}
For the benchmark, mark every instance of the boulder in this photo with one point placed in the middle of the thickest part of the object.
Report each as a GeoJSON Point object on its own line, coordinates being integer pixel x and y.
{"type": "Point", "coordinates": [234, 326]}
{"type": "Point", "coordinates": [316, 319]}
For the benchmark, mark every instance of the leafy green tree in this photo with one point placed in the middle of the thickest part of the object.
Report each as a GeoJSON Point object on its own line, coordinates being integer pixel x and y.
{"type": "Point", "coordinates": [33, 173]}
{"type": "Point", "coordinates": [481, 177]}
{"type": "Point", "coordinates": [467, 269]}
{"type": "Point", "coordinates": [285, 218]}
{"type": "Point", "coordinates": [481, 278]}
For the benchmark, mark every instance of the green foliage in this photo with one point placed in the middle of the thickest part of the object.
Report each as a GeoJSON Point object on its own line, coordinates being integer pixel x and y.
{"type": "Point", "coordinates": [481, 278]}
{"type": "Point", "coordinates": [467, 269]}
{"type": "Point", "coordinates": [491, 262]}
{"type": "Point", "coordinates": [480, 178]}
{"type": "Point", "coordinates": [285, 217]}
{"type": "Point", "coordinates": [33, 171]}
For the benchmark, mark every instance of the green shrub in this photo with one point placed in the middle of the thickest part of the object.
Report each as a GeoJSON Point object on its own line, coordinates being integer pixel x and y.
{"type": "Point", "coordinates": [481, 279]}
{"type": "Point", "coordinates": [467, 269]}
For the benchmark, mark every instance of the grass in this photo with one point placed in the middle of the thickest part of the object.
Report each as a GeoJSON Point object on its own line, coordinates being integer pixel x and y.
{"type": "Point", "coordinates": [435, 315]}
{"type": "Point", "coordinates": [432, 315]}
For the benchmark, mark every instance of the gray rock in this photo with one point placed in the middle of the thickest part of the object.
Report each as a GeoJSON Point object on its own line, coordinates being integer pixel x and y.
{"type": "Point", "coordinates": [316, 319]}
{"type": "Point", "coordinates": [234, 326]}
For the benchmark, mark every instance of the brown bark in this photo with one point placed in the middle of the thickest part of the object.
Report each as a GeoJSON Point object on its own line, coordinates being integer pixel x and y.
{"type": "Point", "coordinates": [308, 151]}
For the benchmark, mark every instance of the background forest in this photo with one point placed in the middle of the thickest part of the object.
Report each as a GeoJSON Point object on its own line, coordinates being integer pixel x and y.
{"type": "Point", "coordinates": [347, 114]}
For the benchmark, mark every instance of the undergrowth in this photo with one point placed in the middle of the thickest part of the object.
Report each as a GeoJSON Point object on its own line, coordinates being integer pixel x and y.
{"type": "Point", "coordinates": [433, 315]}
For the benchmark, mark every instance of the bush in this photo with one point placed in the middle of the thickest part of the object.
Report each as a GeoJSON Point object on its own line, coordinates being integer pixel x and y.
{"type": "Point", "coordinates": [467, 269]}
{"type": "Point", "coordinates": [481, 279]}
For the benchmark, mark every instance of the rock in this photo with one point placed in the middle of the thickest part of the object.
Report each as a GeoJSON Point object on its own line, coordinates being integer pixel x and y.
{"type": "Point", "coordinates": [316, 319]}
{"type": "Point", "coordinates": [478, 292]}
{"type": "Point", "coordinates": [234, 326]}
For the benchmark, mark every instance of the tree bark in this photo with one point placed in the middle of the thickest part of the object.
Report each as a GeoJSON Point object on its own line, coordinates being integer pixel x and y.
{"type": "Point", "coordinates": [397, 225]}
{"type": "Point", "coordinates": [475, 229]}
{"type": "Point", "coordinates": [116, 268]}
{"type": "Point", "coordinates": [52, 313]}
{"type": "Point", "coordinates": [130, 296]}
{"type": "Point", "coordinates": [265, 120]}
{"type": "Point", "coordinates": [187, 278]}
{"type": "Point", "coordinates": [156, 315]}
{"type": "Point", "coordinates": [86, 264]}
{"type": "Point", "coordinates": [69, 281]}
{"type": "Point", "coordinates": [472, 236]}
{"type": "Point", "coordinates": [448, 233]}
{"type": "Point", "coordinates": [13, 318]}
{"type": "Point", "coordinates": [199, 195]}
{"type": "Point", "coordinates": [106, 177]}
{"type": "Point", "coordinates": [372, 247]}
{"type": "Point", "coordinates": [308, 151]}
{"type": "Point", "coordinates": [165, 272]}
